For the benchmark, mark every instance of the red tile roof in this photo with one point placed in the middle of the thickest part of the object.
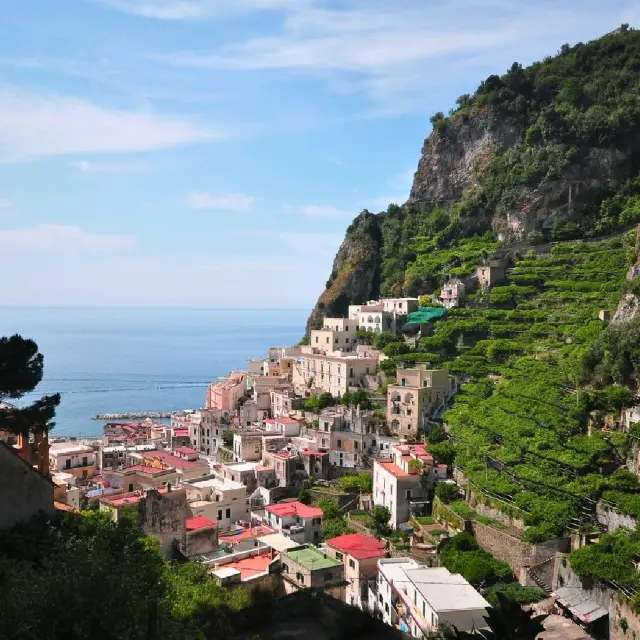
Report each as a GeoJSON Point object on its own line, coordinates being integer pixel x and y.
{"type": "Point", "coordinates": [295, 509]}
{"type": "Point", "coordinates": [166, 458]}
{"type": "Point", "coordinates": [61, 506]}
{"type": "Point", "coordinates": [250, 567]}
{"type": "Point", "coordinates": [313, 452]}
{"type": "Point", "coordinates": [144, 469]}
{"type": "Point", "coordinates": [199, 522]}
{"type": "Point", "coordinates": [186, 450]}
{"type": "Point", "coordinates": [358, 545]}
{"type": "Point", "coordinates": [181, 432]}
{"type": "Point", "coordinates": [393, 469]}
{"type": "Point", "coordinates": [287, 421]}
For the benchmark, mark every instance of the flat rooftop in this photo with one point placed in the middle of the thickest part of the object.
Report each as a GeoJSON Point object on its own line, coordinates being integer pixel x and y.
{"type": "Point", "coordinates": [215, 483]}
{"type": "Point", "coordinates": [446, 591]}
{"type": "Point", "coordinates": [242, 466]}
{"type": "Point", "coordinates": [312, 558]}
{"type": "Point", "coordinates": [62, 448]}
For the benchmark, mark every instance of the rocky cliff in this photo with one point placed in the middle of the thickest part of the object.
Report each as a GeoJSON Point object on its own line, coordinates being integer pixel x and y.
{"type": "Point", "coordinates": [539, 154]}
{"type": "Point", "coordinates": [355, 273]}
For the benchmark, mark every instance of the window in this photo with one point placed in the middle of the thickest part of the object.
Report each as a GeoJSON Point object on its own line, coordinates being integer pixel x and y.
{"type": "Point", "coordinates": [85, 461]}
{"type": "Point", "coordinates": [219, 514]}
{"type": "Point", "coordinates": [300, 578]}
{"type": "Point", "coordinates": [339, 556]}
{"type": "Point", "coordinates": [67, 464]}
{"type": "Point", "coordinates": [339, 444]}
{"type": "Point", "coordinates": [336, 340]}
{"type": "Point", "coordinates": [285, 567]}
{"type": "Point", "coordinates": [404, 382]}
{"type": "Point", "coordinates": [408, 412]}
{"type": "Point", "coordinates": [316, 339]}
{"type": "Point", "coordinates": [408, 494]}
{"type": "Point", "coordinates": [316, 535]}
{"type": "Point", "coordinates": [327, 340]}
{"type": "Point", "coordinates": [391, 490]}
{"type": "Point", "coordinates": [352, 563]}
{"type": "Point", "coordinates": [355, 445]}
{"type": "Point", "coordinates": [424, 613]}
{"type": "Point", "coordinates": [316, 522]}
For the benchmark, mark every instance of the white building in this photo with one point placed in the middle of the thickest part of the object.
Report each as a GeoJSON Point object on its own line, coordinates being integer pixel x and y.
{"type": "Point", "coordinates": [418, 598]}
{"type": "Point", "coordinates": [72, 457]}
{"type": "Point", "coordinates": [453, 293]}
{"type": "Point", "coordinates": [399, 482]}
{"type": "Point", "coordinates": [335, 374]}
{"type": "Point", "coordinates": [374, 319]}
{"type": "Point", "coordinates": [222, 501]}
{"type": "Point", "coordinates": [337, 334]}
{"type": "Point", "coordinates": [401, 306]}
{"type": "Point", "coordinates": [205, 428]}
{"type": "Point", "coordinates": [295, 520]}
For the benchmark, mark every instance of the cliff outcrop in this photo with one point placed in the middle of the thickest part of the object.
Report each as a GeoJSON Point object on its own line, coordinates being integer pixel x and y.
{"type": "Point", "coordinates": [355, 274]}
{"type": "Point", "coordinates": [539, 154]}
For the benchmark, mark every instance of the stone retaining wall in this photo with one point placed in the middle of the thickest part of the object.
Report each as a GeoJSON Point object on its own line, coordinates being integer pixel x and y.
{"type": "Point", "coordinates": [614, 519]}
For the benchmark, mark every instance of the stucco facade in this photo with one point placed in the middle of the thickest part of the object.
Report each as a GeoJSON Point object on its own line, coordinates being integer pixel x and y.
{"type": "Point", "coordinates": [77, 459]}
{"type": "Point", "coordinates": [25, 493]}
{"type": "Point", "coordinates": [335, 374]}
{"type": "Point", "coordinates": [416, 394]}
{"type": "Point", "coordinates": [220, 500]}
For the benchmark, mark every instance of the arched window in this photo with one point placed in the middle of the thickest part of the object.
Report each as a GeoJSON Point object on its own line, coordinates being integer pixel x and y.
{"type": "Point", "coordinates": [395, 397]}
{"type": "Point", "coordinates": [378, 330]}
{"type": "Point", "coordinates": [395, 425]}
{"type": "Point", "coordinates": [408, 398]}
{"type": "Point", "coordinates": [370, 319]}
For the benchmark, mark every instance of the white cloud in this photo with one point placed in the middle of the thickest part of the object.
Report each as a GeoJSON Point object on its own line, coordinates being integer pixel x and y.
{"type": "Point", "coordinates": [397, 56]}
{"type": "Point", "coordinates": [325, 211]}
{"type": "Point", "coordinates": [303, 243]}
{"type": "Point", "coordinates": [193, 9]}
{"type": "Point", "coordinates": [60, 265]}
{"type": "Point", "coordinates": [57, 239]}
{"type": "Point", "coordinates": [86, 166]}
{"type": "Point", "coordinates": [227, 202]}
{"type": "Point", "coordinates": [35, 126]}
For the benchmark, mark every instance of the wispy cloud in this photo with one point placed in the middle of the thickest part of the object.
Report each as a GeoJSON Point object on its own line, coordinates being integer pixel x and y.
{"type": "Point", "coordinates": [304, 243]}
{"type": "Point", "coordinates": [324, 211]}
{"type": "Point", "coordinates": [239, 202]}
{"type": "Point", "coordinates": [392, 55]}
{"type": "Point", "coordinates": [37, 125]}
{"type": "Point", "coordinates": [58, 238]}
{"type": "Point", "coordinates": [193, 9]}
{"type": "Point", "coordinates": [5, 204]}
{"type": "Point", "coordinates": [85, 166]}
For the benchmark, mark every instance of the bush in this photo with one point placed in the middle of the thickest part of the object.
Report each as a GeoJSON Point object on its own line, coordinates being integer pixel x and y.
{"type": "Point", "coordinates": [447, 492]}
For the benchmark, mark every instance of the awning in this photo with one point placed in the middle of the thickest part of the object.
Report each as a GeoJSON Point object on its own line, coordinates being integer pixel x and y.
{"type": "Point", "coordinates": [576, 600]}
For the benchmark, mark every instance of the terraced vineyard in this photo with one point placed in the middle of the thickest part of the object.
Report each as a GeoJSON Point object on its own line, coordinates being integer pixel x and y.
{"type": "Point", "coordinates": [520, 422]}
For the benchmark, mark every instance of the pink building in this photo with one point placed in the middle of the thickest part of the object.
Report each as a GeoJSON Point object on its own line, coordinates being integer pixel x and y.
{"type": "Point", "coordinates": [224, 394]}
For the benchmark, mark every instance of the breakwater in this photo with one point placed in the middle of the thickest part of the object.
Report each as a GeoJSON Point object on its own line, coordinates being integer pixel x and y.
{"type": "Point", "coordinates": [134, 415]}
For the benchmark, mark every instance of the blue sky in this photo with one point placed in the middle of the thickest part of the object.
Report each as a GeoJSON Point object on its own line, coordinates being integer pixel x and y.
{"type": "Point", "coordinates": [211, 153]}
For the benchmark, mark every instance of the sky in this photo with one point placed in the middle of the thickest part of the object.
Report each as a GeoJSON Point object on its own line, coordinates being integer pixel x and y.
{"type": "Point", "coordinates": [211, 153]}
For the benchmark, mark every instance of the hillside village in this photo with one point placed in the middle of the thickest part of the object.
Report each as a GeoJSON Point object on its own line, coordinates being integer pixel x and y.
{"type": "Point", "coordinates": [340, 465]}
{"type": "Point", "coordinates": [453, 444]}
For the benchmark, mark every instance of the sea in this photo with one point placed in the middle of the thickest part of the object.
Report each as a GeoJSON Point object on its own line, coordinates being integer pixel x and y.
{"type": "Point", "coordinates": [117, 360]}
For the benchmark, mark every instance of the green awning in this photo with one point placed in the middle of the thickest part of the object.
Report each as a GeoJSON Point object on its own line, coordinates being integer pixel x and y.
{"type": "Point", "coordinates": [425, 315]}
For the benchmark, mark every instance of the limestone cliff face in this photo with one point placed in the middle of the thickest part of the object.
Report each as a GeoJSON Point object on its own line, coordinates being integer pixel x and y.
{"type": "Point", "coordinates": [355, 273]}
{"type": "Point", "coordinates": [453, 157]}
{"type": "Point", "coordinates": [452, 167]}
{"type": "Point", "coordinates": [629, 305]}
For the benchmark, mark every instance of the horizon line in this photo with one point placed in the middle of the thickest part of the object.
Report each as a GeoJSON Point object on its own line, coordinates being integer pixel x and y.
{"type": "Point", "coordinates": [154, 308]}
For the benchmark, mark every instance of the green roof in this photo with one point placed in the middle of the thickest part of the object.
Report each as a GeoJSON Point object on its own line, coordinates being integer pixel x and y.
{"type": "Point", "coordinates": [312, 558]}
{"type": "Point", "coordinates": [426, 314]}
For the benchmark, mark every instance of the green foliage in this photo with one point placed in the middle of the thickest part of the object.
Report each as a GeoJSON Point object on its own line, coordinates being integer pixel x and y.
{"type": "Point", "coordinates": [461, 554]}
{"type": "Point", "coordinates": [515, 592]}
{"type": "Point", "coordinates": [381, 516]}
{"type": "Point", "coordinates": [356, 398]}
{"type": "Point", "coordinates": [227, 438]}
{"type": "Point", "coordinates": [313, 403]}
{"type": "Point", "coordinates": [363, 481]}
{"type": "Point", "coordinates": [21, 369]}
{"type": "Point", "coordinates": [611, 559]}
{"type": "Point", "coordinates": [447, 492]}
{"type": "Point", "coordinates": [615, 356]}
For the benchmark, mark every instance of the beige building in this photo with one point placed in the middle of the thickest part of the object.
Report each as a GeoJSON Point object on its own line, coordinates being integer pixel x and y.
{"type": "Point", "coordinates": [70, 457]}
{"type": "Point", "coordinates": [453, 293]}
{"type": "Point", "coordinates": [401, 306]}
{"type": "Point", "coordinates": [360, 554]}
{"type": "Point", "coordinates": [374, 319]}
{"type": "Point", "coordinates": [336, 374]}
{"type": "Point", "coordinates": [220, 500]}
{"type": "Point", "coordinates": [491, 274]}
{"type": "Point", "coordinates": [307, 567]}
{"type": "Point", "coordinates": [337, 334]}
{"type": "Point", "coordinates": [416, 394]}
{"type": "Point", "coordinates": [281, 401]}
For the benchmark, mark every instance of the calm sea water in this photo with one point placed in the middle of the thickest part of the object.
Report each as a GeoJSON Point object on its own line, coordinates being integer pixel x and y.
{"type": "Point", "coordinates": [115, 360]}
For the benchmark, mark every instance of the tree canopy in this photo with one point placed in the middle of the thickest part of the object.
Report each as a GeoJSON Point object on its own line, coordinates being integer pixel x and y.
{"type": "Point", "coordinates": [21, 369]}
